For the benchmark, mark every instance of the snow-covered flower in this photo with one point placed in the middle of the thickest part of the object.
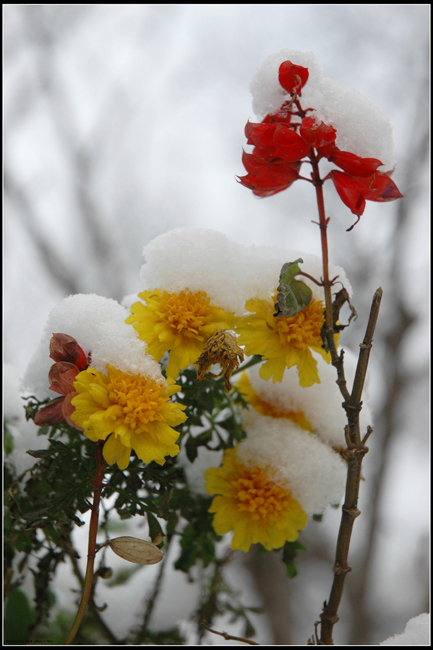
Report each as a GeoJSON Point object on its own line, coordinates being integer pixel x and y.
{"type": "Point", "coordinates": [122, 397]}
{"type": "Point", "coordinates": [271, 482]}
{"type": "Point", "coordinates": [254, 506]}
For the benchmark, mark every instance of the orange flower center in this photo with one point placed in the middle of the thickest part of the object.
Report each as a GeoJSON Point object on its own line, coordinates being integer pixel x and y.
{"type": "Point", "coordinates": [302, 330]}
{"type": "Point", "coordinates": [186, 312]}
{"type": "Point", "coordinates": [140, 399]}
{"type": "Point", "coordinates": [259, 496]}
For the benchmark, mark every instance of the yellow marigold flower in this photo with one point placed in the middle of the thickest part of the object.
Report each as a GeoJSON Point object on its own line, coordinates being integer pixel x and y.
{"type": "Point", "coordinates": [284, 342]}
{"type": "Point", "coordinates": [177, 322]}
{"type": "Point", "coordinates": [134, 411]}
{"type": "Point", "coordinates": [268, 408]}
{"type": "Point", "coordinates": [257, 509]}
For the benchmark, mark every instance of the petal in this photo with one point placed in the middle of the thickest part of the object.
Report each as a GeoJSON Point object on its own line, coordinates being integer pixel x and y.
{"type": "Point", "coordinates": [115, 452]}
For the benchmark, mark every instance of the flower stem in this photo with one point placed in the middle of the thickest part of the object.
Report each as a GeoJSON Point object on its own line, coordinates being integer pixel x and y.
{"type": "Point", "coordinates": [323, 224]}
{"type": "Point", "coordinates": [93, 530]}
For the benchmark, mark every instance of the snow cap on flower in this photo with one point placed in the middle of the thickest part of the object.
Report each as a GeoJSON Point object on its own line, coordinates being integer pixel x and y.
{"type": "Point", "coordinates": [317, 408]}
{"type": "Point", "coordinates": [229, 272]}
{"type": "Point", "coordinates": [98, 325]}
{"type": "Point", "coordinates": [297, 460]}
{"type": "Point", "coordinates": [362, 128]}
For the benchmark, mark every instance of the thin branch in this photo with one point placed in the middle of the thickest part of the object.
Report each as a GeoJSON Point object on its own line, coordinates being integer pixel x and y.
{"type": "Point", "coordinates": [229, 637]}
{"type": "Point", "coordinates": [355, 452]}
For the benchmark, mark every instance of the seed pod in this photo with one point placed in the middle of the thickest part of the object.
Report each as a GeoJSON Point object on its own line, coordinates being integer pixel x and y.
{"type": "Point", "coordinates": [136, 550]}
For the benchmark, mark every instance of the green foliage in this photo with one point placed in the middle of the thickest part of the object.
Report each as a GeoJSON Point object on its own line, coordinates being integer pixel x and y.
{"type": "Point", "coordinates": [290, 551]}
{"type": "Point", "coordinates": [171, 636]}
{"type": "Point", "coordinates": [18, 617]}
{"type": "Point", "coordinates": [8, 440]}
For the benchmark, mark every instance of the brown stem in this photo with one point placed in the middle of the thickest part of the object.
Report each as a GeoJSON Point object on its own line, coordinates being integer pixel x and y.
{"type": "Point", "coordinates": [93, 530]}
{"type": "Point", "coordinates": [355, 452]}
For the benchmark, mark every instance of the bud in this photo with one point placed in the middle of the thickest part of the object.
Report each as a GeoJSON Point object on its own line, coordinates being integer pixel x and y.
{"type": "Point", "coordinates": [65, 348]}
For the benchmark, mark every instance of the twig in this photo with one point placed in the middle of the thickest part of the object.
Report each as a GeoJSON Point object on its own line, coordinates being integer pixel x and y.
{"type": "Point", "coordinates": [229, 637]}
{"type": "Point", "coordinates": [355, 452]}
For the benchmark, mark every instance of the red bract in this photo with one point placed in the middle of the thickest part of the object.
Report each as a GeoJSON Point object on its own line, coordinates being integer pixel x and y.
{"type": "Point", "coordinates": [315, 134]}
{"type": "Point", "coordinates": [260, 135]}
{"type": "Point", "coordinates": [267, 177]}
{"type": "Point", "coordinates": [354, 165]}
{"type": "Point", "coordinates": [354, 191]}
{"type": "Point", "coordinates": [349, 191]}
{"type": "Point", "coordinates": [70, 359]}
{"type": "Point", "coordinates": [292, 77]}
{"type": "Point", "coordinates": [288, 144]}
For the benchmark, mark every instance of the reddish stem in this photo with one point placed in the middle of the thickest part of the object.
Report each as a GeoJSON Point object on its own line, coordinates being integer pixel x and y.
{"type": "Point", "coordinates": [323, 223]}
{"type": "Point", "coordinates": [93, 530]}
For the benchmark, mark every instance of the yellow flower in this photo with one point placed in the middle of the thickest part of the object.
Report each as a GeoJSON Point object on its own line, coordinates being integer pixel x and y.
{"type": "Point", "coordinates": [257, 509]}
{"type": "Point", "coordinates": [268, 408]}
{"type": "Point", "coordinates": [179, 322]}
{"type": "Point", "coordinates": [134, 411]}
{"type": "Point", "coordinates": [284, 342]}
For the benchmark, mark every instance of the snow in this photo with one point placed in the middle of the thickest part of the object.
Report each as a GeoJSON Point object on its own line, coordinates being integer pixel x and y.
{"type": "Point", "coordinates": [229, 272]}
{"type": "Point", "coordinates": [98, 325]}
{"type": "Point", "coordinates": [362, 128]}
{"type": "Point", "coordinates": [416, 632]}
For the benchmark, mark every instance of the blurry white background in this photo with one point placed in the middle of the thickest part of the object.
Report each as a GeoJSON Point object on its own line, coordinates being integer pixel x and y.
{"type": "Point", "coordinates": [122, 122]}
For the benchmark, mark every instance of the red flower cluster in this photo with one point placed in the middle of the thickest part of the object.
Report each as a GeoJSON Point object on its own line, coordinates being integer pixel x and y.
{"type": "Point", "coordinates": [281, 143]}
{"type": "Point", "coordinates": [70, 360]}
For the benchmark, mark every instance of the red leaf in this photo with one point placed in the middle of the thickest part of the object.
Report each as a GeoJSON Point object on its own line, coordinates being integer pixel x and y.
{"type": "Point", "coordinates": [288, 144]}
{"type": "Point", "coordinates": [292, 77]}
{"type": "Point", "coordinates": [315, 134]}
{"type": "Point", "coordinates": [273, 180]}
{"type": "Point", "coordinates": [349, 191]}
{"type": "Point", "coordinates": [260, 135]}
{"type": "Point", "coordinates": [381, 188]}
{"type": "Point", "coordinates": [355, 165]}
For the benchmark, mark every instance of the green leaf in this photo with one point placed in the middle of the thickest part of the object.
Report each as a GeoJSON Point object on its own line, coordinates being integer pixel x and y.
{"type": "Point", "coordinates": [293, 295]}
{"type": "Point", "coordinates": [290, 551]}
{"type": "Point", "coordinates": [154, 526]}
{"type": "Point", "coordinates": [18, 617]}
